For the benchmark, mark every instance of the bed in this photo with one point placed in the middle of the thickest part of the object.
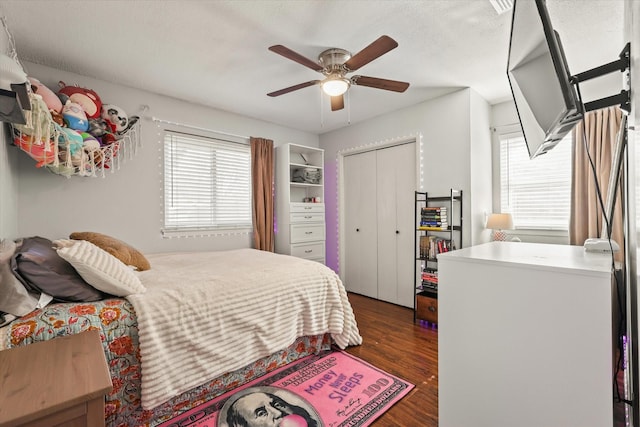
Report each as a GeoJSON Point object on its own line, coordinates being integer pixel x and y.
{"type": "Point", "coordinates": [207, 322]}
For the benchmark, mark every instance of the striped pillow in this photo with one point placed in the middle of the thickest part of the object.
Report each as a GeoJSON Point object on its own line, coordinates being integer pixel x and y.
{"type": "Point", "coordinates": [99, 268]}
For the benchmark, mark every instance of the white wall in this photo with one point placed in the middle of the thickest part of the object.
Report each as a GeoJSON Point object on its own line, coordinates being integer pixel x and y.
{"type": "Point", "coordinates": [126, 204]}
{"type": "Point", "coordinates": [480, 158]}
{"type": "Point", "coordinates": [8, 187]}
{"type": "Point", "coordinates": [447, 134]}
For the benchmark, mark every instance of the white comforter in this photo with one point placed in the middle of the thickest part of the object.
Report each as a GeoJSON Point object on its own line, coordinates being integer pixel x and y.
{"type": "Point", "coordinates": [207, 313]}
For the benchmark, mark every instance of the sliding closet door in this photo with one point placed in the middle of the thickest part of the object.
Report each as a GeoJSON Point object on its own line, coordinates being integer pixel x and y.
{"type": "Point", "coordinates": [396, 183]}
{"type": "Point", "coordinates": [406, 184]}
{"type": "Point", "coordinates": [360, 224]}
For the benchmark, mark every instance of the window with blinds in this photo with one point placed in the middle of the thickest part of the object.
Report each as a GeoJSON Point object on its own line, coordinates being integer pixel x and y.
{"type": "Point", "coordinates": [536, 192]}
{"type": "Point", "coordinates": [207, 184]}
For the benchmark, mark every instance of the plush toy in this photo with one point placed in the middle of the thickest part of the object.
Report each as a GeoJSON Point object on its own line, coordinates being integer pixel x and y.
{"type": "Point", "coordinates": [57, 118]}
{"type": "Point", "coordinates": [74, 116]}
{"type": "Point", "coordinates": [98, 127]}
{"type": "Point", "coordinates": [115, 117]}
{"type": "Point", "coordinates": [70, 140]}
{"type": "Point", "coordinates": [89, 142]}
{"type": "Point", "coordinates": [62, 97]}
{"type": "Point", "coordinates": [119, 249]}
{"type": "Point", "coordinates": [43, 154]}
{"type": "Point", "coordinates": [132, 121]}
{"type": "Point", "coordinates": [50, 98]}
{"type": "Point", "coordinates": [87, 98]}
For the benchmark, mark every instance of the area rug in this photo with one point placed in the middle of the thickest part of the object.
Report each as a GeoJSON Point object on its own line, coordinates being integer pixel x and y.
{"type": "Point", "coordinates": [334, 389]}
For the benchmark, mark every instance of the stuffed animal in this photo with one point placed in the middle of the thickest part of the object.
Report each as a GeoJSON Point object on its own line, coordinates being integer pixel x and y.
{"type": "Point", "coordinates": [89, 142]}
{"type": "Point", "coordinates": [132, 121]}
{"type": "Point", "coordinates": [115, 117]}
{"type": "Point", "coordinates": [119, 249]}
{"type": "Point", "coordinates": [87, 98]}
{"type": "Point", "coordinates": [74, 116]}
{"type": "Point", "coordinates": [98, 127]}
{"type": "Point", "coordinates": [43, 154]}
{"type": "Point", "coordinates": [70, 140]}
{"type": "Point", "coordinates": [57, 118]}
{"type": "Point", "coordinates": [50, 98]}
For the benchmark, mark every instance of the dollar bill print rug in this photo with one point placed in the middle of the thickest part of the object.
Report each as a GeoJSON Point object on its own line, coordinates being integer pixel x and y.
{"type": "Point", "coordinates": [333, 389]}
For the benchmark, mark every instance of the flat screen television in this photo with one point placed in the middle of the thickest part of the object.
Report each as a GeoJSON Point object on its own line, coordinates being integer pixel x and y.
{"type": "Point", "coordinates": [546, 99]}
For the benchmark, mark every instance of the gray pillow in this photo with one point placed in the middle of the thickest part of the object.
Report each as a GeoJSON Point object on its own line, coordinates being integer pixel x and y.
{"type": "Point", "coordinates": [14, 298]}
{"type": "Point", "coordinates": [39, 267]}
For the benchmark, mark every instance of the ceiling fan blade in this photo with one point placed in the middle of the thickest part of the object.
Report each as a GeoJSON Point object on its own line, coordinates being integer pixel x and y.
{"type": "Point", "coordinates": [376, 49]}
{"type": "Point", "coordinates": [377, 83]}
{"type": "Point", "coordinates": [292, 88]}
{"type": "Point", "coordinates": [337, 102]}
{"type": "Point", "coordinates": [294, 56]}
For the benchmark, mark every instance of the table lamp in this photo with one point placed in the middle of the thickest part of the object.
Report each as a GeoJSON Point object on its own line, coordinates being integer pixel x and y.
{"type": "Point", "coordinates": [498, 222]}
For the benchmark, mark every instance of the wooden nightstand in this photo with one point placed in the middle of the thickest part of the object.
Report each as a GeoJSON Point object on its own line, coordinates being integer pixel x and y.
{"type": "Point", "coordinates": [61, 382]}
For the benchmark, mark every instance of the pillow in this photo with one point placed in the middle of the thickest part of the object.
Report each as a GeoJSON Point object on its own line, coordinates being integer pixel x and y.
{"type": "Point", "coordinates": [40, 269]}
{"type": "Point", "coordinates": [99, 268]}
{"type": "Point", "coordinates": [117, 248]}
{"type": "Point", "coordinates": [14, 298]}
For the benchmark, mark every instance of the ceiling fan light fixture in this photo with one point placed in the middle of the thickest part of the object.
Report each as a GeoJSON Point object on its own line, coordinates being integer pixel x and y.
{"type": "Point", "coordinates": [335, 86]}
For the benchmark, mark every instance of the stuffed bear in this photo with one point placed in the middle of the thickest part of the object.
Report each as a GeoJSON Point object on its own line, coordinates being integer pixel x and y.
{"type": "Point", "coordinates": [119, 249]}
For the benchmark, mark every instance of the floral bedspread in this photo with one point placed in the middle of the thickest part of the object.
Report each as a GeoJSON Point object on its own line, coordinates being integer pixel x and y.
{"type": "Point", "coordinates": [115, 319]}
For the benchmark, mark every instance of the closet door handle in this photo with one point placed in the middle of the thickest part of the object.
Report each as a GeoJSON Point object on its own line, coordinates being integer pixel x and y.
{"type": "Point", "coordinates": [397, 232]}
{"type": "Point", "coordinates": [357, 229]}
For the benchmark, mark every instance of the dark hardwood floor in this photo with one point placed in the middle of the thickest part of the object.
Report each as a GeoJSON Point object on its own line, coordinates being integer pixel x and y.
{"type": "Point", "coordinates": [392, 342]}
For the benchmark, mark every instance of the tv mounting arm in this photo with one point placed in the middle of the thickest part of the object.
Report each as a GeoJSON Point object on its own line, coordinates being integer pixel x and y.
{"type": "Point", "coordinates": [623, 99]}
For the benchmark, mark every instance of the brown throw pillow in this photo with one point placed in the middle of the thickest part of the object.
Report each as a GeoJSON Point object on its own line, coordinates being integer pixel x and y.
{"type": "Point", "coordinates": [119, 249]}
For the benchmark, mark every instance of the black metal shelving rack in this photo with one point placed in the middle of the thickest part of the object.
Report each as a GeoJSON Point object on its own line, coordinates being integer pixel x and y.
{"type": "Point", "coordinates": [453, 232]}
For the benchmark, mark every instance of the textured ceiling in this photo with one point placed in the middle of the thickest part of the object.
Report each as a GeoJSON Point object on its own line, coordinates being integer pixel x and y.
{"type": "Point", "coordinates": [215, 52]}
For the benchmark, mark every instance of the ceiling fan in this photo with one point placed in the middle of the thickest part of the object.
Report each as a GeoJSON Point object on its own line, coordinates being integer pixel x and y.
{"type": "Point", "coordinates": [335, 64]}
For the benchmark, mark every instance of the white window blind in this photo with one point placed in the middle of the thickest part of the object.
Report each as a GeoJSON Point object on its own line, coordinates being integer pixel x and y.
{"type": "Point", "coordinates": [536, 192]}
{"type": "Point", "coordinates": [207, 184]}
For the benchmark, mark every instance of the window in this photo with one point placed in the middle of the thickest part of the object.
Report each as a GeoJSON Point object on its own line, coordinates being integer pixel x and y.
{"type": "Point", "coordinates": [207, 184]}
{"type": "Point", "coordinates": [536, 192]}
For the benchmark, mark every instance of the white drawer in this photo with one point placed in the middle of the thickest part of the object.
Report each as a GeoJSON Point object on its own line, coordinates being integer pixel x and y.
{"type": "Point", "coordinates": [302, 217]}
{"type": "Point", "coordinates": [307, 207]}
{"type": "Point", "coordinates": [313, 251]}
{"type": "Point", "coordinates": [306, 232]}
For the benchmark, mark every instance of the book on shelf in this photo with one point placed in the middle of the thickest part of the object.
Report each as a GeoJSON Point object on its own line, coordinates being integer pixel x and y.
{"type": "Point", "coordinates": [430, 228]}
{"type": "Point", "coordinates": [433, 218]}
{"type": "Point", "coordinates": [442, 224]}
{"type": "Point", "coordinates": [430, 246]}
{"type": "Point", "coordinates": [429, 287]}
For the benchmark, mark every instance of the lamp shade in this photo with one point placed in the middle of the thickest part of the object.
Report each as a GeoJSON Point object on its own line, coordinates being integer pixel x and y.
{"type": "Point", "coordinates": [500, 221]}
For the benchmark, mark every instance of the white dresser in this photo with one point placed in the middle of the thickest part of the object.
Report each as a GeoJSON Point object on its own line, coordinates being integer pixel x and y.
{"type": "Point", "coordinates": [524, 336]}
{"type": "Point", "coordinates": [300, 212]}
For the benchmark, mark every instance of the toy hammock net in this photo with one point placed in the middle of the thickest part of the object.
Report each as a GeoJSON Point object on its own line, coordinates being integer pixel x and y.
{"type": "Point", "coordinates": [66, 152]}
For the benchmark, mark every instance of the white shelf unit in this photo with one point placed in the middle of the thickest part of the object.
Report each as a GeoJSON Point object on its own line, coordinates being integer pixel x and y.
{"type": "Point", "coordinates": [300, 213]}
